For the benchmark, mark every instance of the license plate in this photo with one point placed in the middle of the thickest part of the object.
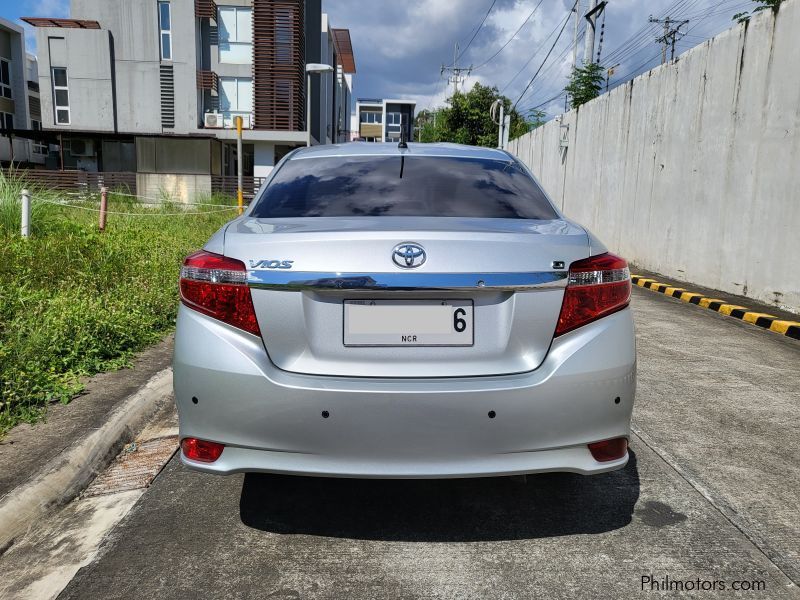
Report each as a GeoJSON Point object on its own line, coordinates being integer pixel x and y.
{"type": "Point", "coordinates": [408, 323]}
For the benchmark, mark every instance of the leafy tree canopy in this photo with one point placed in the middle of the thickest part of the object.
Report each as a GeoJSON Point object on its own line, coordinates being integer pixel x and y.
{"type": "Point", "coordinates": [468, 121]}
{"type": "Point", "coordinates": [585, 83]}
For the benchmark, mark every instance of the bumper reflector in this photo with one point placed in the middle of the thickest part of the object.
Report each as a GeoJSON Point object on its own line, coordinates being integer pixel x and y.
{"type": "Point", "coordinates": [201, 450]}
{"type": "Point", "coordinates": [608, 450]}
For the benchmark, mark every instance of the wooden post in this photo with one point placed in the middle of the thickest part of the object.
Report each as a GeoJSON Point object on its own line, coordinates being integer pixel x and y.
{"type": "Point", "coordinates": [103, 207]}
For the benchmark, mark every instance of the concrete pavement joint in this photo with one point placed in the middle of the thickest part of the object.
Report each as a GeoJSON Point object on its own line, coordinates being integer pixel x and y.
{"type": "Point", "coordinates": [765, 321]}
{"type": "Point", "coordinates": [782, 563]}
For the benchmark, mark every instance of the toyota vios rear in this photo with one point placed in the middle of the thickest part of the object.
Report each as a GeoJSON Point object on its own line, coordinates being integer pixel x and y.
{"type": "Point", "coordinates": [390, 312]}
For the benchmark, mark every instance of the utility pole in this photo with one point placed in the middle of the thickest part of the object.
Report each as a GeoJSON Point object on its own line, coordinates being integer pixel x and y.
{"type": "Point", "coordinates": [588, 40]}
{"type": "Point", "coordinates": [672, 29]}
{"type": "Point", "coordinates": [578, 8]}
{"type": "Point", "coordinates": [600, 41]}
{"type": "Point", "coordinates": [595, 9]}
{"type": "Point", "coordinates": [458, 74]}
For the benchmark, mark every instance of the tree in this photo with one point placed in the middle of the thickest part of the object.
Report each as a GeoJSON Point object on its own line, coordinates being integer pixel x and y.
{"type": "Point", "coordinates": [536, 118]}
{"type": "Point", "coordinates": [743, 17]}
{"type": "Point", "coordinates": [467, 120]}
{"type": "Point", "coordinates": [585, 83]}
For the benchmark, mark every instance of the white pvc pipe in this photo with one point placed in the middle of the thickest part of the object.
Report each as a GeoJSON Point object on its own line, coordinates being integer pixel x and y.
{"type": "Point", "coordinates": [25, 230]}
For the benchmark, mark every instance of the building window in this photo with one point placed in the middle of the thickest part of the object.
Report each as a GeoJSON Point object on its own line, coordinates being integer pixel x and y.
{"type": "Point", "coordinates": [284, 35]}
{"type": "Point", "coordinates": [38, 147]}
{"type": "Point", "coordinates": [235, 35]}
{"type": "Point", "coordinates": [394, 122]}
{"type": "Point", "coordinates": [60, 96]}
{"type": "Point", "coordinates": [235, 98]}
{"type": "Point", "coordinates": [6, 120]}
{"type": "Point", "coordinates": [165, 29]}
{"type": "Point", "coordinates": [371, 117]}
{"type": "Point", "coordinates": [5, 78]}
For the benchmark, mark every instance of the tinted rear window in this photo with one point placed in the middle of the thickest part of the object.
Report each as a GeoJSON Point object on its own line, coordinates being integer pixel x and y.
{"type": "Point", "coordinates": [416, 186]}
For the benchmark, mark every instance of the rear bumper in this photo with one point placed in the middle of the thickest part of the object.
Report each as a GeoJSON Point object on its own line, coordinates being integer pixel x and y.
{"type": "Point", "coordinates": [271, 420]}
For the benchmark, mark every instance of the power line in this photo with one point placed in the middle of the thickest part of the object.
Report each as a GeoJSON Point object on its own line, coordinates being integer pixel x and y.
{"type": "Point", "coordinates": [546, 102]}
{"type": "Point", "coordinates": [552, 67]}
{"type": "Point", "coordinates": [698, 16]}
{"type": "Point", "coordinates": [525, 22]}
{"type": "Point", "coordinates": [642, 37]}
{"type": "Point", "coordinates": [474, 34]}
{"type": "Point", "coordinates": [640, 41]}
{"type": "Point", "coordinates": [535, 52]}
{"type": "Point", "coordinates": [563, 27]}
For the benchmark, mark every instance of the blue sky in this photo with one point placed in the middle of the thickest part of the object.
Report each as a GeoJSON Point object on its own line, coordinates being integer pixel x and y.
{"type": "Point", "coordinates": [14, 9]}
{"type": "Point", "coordinates": [400, 47]}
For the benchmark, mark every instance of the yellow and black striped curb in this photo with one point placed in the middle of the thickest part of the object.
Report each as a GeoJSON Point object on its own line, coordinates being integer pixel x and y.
{"type": "Point", "coordinates": [788, 328]}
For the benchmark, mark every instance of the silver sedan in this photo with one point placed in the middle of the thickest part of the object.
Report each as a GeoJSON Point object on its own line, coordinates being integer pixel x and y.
{"type": "Point", "coordinates": [404, 312]}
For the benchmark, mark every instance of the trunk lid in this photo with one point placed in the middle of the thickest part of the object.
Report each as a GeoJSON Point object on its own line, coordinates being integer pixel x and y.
{"type": "Point", "coordinates": [302, 327]}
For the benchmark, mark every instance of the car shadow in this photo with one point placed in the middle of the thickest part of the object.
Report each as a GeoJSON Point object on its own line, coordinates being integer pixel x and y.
{"type": "Point", "coordinates": [449, 510]}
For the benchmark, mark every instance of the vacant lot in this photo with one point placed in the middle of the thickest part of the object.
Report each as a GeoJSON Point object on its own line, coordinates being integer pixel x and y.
{"type": "Point", "coordinates": [75, 301]}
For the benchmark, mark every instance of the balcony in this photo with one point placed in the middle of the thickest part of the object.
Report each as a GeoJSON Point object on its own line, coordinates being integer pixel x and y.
{"type": "Point", "coordinates": [208, 80]}
{"type": "Point", "coordinates": [205, 9]}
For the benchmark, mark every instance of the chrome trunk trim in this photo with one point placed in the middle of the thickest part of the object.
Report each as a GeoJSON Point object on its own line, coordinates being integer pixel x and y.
{"type": "Point", "coordinates": [307, 280]}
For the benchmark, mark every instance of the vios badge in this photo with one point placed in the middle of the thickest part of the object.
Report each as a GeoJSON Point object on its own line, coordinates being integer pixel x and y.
{"type": "Point", "coordinates": [271, 264]}
{"type": "Point", "coordinates": [408, 255]}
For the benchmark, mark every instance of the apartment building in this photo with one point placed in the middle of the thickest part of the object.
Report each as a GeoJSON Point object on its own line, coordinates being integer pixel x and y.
{"type": "Point", "coordinates": [19, 99]}
{"type": "Point", "coordinates": [381, 120]}
{"type": "Point", "coordinates": [154, 86]}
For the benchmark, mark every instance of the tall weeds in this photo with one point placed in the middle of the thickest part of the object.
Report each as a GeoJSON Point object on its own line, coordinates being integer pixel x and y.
{"type": "Point", "coordinates": [74, 301]}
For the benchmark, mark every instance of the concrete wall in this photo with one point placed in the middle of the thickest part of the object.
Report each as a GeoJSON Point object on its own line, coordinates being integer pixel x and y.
{"type": "Point", "coordinates": [264, 158]}
{"type": "Point", "coordinates": [176, 187]}
{"type": "Point", "coordinates": [137, 57]}
{"type": "Point", "coordinates": [12, 49]}
{"type": "Point", "coordinates": [693, 169]}
{"type": "Point", "coordinates": [86, 54]}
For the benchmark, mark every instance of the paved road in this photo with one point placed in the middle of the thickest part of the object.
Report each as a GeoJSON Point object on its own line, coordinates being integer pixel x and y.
{"type": "Point", "coordinates": [711, 493]}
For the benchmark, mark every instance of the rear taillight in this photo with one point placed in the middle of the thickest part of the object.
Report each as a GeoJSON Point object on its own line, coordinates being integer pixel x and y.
{"type": "Point", "coordinates": [609, 449]}
{"type": "Point", "coordinates": [201, 450]}
{"type": "Point", "coordinates": [598, 286]}
{"type": "Point", "coordinates": [217, 286]}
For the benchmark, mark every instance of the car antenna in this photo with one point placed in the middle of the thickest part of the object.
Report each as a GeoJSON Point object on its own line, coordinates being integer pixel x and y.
{"type": "Point", "coordinates": [402, 145]}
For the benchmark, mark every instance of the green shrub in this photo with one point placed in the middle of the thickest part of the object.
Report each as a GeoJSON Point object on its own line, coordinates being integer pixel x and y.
{"type": "Point", "coordinates": [75, 301]}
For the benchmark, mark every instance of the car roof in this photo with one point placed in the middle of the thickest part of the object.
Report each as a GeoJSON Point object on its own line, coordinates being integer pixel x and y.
{"type": "Point", "coordinates": [391, 149]}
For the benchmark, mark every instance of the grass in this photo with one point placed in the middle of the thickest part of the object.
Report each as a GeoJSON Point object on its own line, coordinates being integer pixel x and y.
{"type": "Point", "coordinates": [75, 301]}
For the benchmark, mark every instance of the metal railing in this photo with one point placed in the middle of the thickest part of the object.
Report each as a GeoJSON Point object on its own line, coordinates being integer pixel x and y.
{"type": "Point", "coordinates": [75, 181]}
{"type": "Point", "coordinates": [227, 184]}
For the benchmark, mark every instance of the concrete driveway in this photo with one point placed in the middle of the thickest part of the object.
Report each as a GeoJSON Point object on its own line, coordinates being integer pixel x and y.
{"type": "Point", "coordinates": [708, 503]}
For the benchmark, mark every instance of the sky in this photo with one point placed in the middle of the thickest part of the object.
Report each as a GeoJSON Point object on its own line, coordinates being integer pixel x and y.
{"type": "Point", "coordinates": [400, 47]}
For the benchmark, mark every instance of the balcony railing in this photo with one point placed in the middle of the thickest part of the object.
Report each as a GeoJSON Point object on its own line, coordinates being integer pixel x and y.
{"type": "Point", "coordinates": [207, 80]}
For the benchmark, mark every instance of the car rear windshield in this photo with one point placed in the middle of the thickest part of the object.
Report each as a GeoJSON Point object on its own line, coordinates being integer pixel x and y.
{"type": "Point", "coordinates": [411, 186]}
